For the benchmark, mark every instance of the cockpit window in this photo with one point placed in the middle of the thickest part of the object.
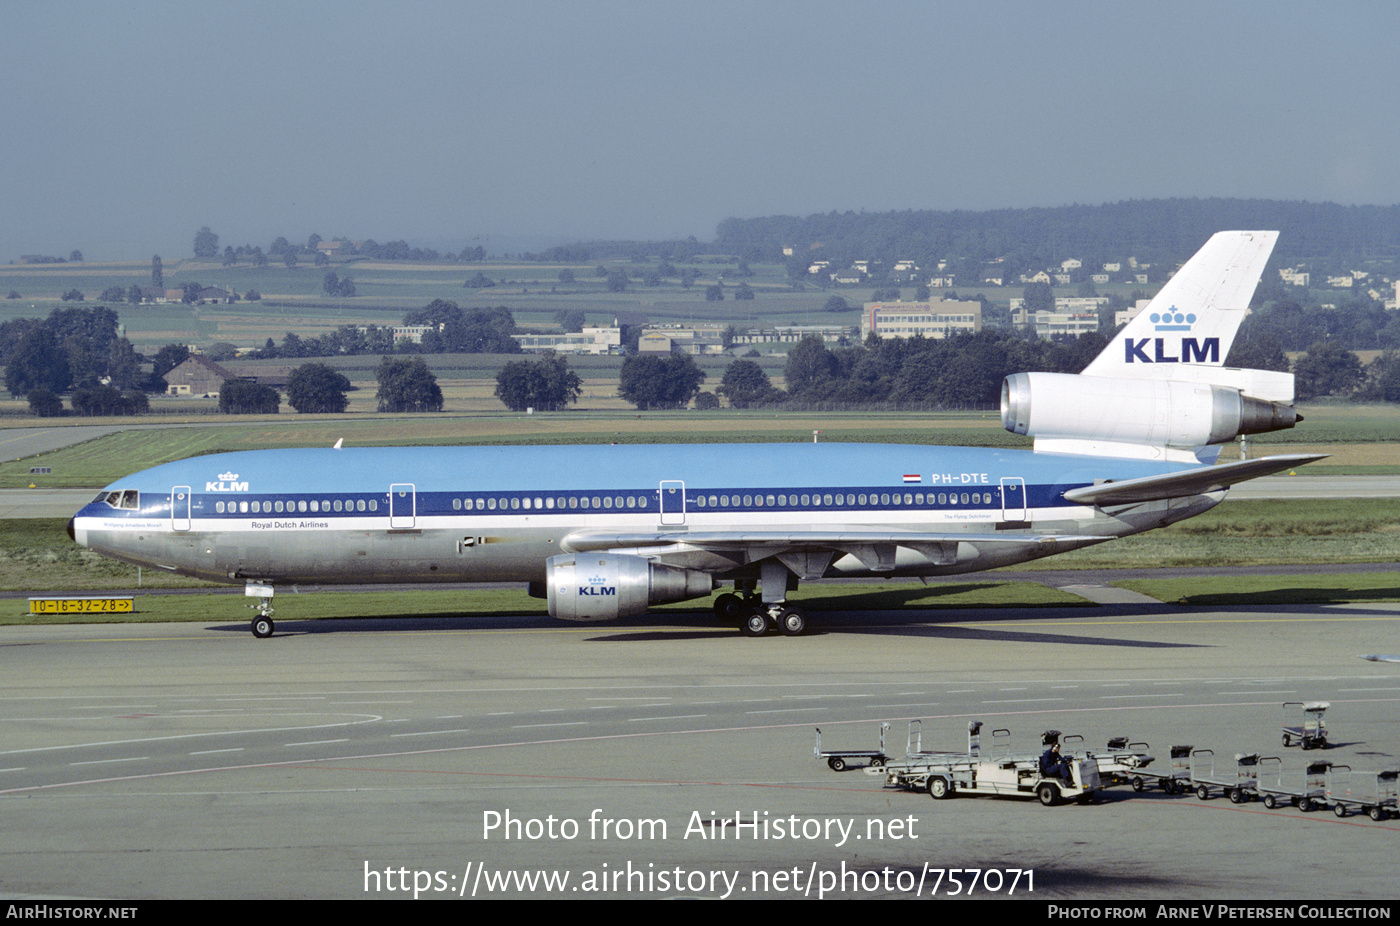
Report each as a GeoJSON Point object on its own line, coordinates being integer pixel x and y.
{"type": "Point", "coordinates": [124, 498]}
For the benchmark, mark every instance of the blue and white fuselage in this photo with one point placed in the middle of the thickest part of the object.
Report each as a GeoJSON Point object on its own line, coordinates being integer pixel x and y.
{"type": "Point", "coordinates": [453, 514]}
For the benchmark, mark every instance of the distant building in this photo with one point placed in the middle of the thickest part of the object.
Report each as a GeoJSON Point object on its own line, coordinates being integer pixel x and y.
{"type": "Point", "coordinates": [1053, 324]}
{"type": "Point", "coordinates": [198, 376]}
{"type": "Point", "coordinates": [588, 341]}
{"type": "Point", "coordinates": [691, 339]}
{"type": "Point", "coordinates": [930, 319]}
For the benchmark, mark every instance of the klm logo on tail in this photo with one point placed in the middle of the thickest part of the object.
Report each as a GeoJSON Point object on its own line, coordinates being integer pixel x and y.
{"type": "Point", "coordinates": [1167, 349]}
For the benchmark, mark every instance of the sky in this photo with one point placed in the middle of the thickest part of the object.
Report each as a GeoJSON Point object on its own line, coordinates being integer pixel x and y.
{"type": "Point", "coordinates": [127, 125]}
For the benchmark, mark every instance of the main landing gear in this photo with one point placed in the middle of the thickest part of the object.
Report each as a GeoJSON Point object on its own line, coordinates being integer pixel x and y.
{"type": "Point", "coordinates": [756, 618]}
{"type": "Point", "coordinates": [262, 626]}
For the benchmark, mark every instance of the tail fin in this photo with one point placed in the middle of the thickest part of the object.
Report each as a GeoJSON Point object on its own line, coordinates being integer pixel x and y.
{"type": "Point", "coordinates": [1160, 390]}
{"type": "Point", "coordinates": [1193, 320]}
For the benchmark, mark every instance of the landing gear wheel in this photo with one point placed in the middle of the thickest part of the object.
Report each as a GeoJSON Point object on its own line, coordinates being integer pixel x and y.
{"type": "Point", "coordinates": [939, 789]}
{"type": "Point", "coordinates": [729, 607]}
{"type": "Point", "coordinates": [262, 627]}
{"type": "Point", "coordinates": [755, 624]}
{"type": "Point", "coordinates": [792, 622]}
{"type": "Point", "coordinates": [836, 763]}
{"type": "Point", "coordinates": [1047, 793]}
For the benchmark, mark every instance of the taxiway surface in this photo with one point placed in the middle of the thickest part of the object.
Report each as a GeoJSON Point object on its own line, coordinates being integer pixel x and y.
{"type": "Point", "coordinates": [665, 757]}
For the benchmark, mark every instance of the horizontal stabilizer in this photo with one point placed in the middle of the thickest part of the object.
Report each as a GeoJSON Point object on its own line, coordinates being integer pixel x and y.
{"type": "Point", "coordinates": [1188, 483]}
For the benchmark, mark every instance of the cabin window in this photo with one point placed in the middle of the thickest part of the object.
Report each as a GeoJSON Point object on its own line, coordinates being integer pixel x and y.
{"type": "Point", "coordinates": [772, 501]}
{"type": "Point", "coordinates": [243, 507]}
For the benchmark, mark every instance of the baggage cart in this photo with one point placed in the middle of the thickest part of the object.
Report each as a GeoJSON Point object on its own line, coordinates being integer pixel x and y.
{"type": "Point", "coordinates": [1239, 786]}
{"type": "Point", "coordinates": [1273, 790]}
{"type": "Point", "coordinates": [838, 760]}
{"type": "Point", "coordinates": [1303, 724]}
{"type": "Point", "coordinates": [1173, 780]}
{"type": "Point", "coordinates": [1381, 803]}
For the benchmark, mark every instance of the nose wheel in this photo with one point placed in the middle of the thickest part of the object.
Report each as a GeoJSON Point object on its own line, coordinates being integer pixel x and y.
{"type": "Point", "coordinates": [262, 625]}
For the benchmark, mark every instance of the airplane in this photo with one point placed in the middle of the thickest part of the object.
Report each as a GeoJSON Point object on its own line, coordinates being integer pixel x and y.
{"type": "Point", "coordinates": [604, 532]}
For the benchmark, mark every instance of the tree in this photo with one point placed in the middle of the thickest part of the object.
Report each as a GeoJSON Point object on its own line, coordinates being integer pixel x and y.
{"type": "Point", "coordinates": [103, 400]}
{"type": "Point", "coordinates": [37, 362]}
{"type": "Point", "coordinates": [745, 291]}
{"type": "Point", "coordinates": [570, 320]}
{"type": "Point", "coordinates": [157, 274]}
{"type": "Point", "coordinates": [651, 382]}
{"type": "Point", "coordinates": [547, 385]}
{"type": "Point", "coordinates": [808, 364]}
{"type": "Point", "coordinates": [76, 257]}
{"type": "Point", "coordinates": [206, 244]}
{"type": "Point", "coordinates": [407, 386]}
{"type": "Point", "coordinates": [241, 397]}
{"type": "Point", "coordinates": [335, 285]}
{"type": "Point", "coordinates": [45, 404]}
{"type": "Point", "coordinates": [706, 401]}
{"type": "Point", "coordinates": [746, 385]}
{"type": "Point", "coordinates": [73, 295]}
{"type": "Point", "coordinates": [1327, 369]}
{"type": "Point", "coordinates": [314, 388]}
{"type": "Point", "coordinates": [113, 294]}
{"type": "Point", "coordinates": [1038, 297]}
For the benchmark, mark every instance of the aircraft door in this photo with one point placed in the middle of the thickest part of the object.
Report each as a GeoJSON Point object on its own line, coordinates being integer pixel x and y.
{"type": "Point", "coordinates": [1013, 498]}
{"type": "Point", "coordinates": [402, 506]}
{"type": "Point", "coordinates": [672, 502]}
{"type": "Point", "coordinates": [180, 508]}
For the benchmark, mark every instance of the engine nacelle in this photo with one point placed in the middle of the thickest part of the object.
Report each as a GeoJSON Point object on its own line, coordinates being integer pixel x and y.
{"type": "Point", "coordinates": [1147, 412]}
{"type": "Point", "coordinates": [606, 586]}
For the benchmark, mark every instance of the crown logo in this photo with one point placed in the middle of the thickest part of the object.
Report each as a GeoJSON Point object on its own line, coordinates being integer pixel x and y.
{"type": "Point", "coordinates": [1172, 320]}
{"type": "Point", "coordinates": [228, 477]}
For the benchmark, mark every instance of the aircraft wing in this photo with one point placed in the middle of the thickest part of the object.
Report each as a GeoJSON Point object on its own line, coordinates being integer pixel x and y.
{"type": "Point", "coordinates": [1191, 482]}
{"type": "Point", "coordinates": [1381, 657]}
{"type": "Point", "coordinates": [875, 549]}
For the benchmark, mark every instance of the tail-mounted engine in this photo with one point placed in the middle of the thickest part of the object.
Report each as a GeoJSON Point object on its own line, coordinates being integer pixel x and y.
{"type": "Point", "coordinates": [605, 586]}
{"type": "Point", "coordinates": [1067, 412]}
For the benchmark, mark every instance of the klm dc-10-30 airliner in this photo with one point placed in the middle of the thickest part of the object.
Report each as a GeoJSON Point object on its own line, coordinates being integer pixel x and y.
{"type": "Point", "coordinates": [604, 532]}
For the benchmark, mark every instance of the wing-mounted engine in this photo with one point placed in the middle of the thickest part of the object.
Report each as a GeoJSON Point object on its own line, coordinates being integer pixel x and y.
{"type": "Point", "coordinates": [1143, 418]}
{"type": "Point", "coordinates": [606, 586]}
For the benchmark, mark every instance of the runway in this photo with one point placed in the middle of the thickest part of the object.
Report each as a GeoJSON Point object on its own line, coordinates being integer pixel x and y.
{"type": "Point", "coordinates": [664, 757]}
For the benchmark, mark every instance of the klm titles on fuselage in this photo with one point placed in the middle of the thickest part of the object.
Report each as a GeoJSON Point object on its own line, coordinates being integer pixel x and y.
{"type": "Point", "coordinates": [228, 482]}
